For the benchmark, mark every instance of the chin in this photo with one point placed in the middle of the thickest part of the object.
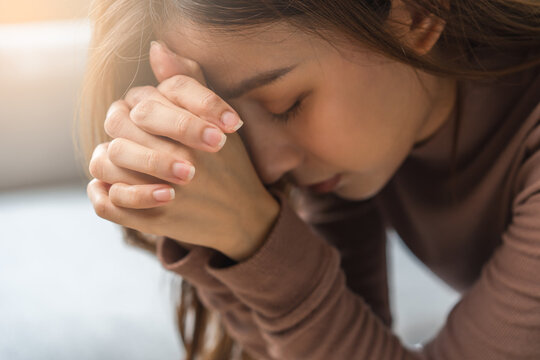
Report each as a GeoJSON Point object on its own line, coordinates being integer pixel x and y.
{"type": "Point", "coordinates": [355, 194]}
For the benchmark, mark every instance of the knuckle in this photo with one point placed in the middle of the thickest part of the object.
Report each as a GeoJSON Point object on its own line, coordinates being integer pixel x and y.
{"type": "Point", "coordinates": [132, 91]}
{"type": "Point", "coordinates": [152, 161]}
{"type": "Point", "coordinates": [137, 197]}
{"type": "Point", "coordinates": [121, 195]}
{"type": "Point", "coordinates": [132, 195]}
{"type": "Point", "coordinates": [140, 92]}
{"type": "Point", "coordinates": [113, 123]}
{"type": "Point", "coordinates": [95, 165]}
{"type": "Point", "coordinates": [95, 168]}
{"type": "Point", "coordinates": [90, 189]}
{"type": "Point", "coordinates": [100, 207]}
{"type": "Point", "coordinates": [115, 148]}
{"type": "Point", "coordinates": [210, 100]}
{"type": "Point", "coordinates": [182, 124]}
{"type": "Point", "coordinates": [142, 110]}
{"type": "Point", "coordinates": [147, 91]}
{"type": "Point", "coordinates": [179, 81]}
{"type": "Point", "coordinates": [99, 149]}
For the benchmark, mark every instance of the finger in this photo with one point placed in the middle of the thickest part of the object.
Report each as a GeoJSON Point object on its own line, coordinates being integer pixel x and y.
{"type": "Point", "coordinates": [98, 193]}
{"type": "Point", "coordinates": [140, 196]}
{"type": "Point", "coordinates": [118, 124]}
{"type": "Point", "coordinates": [130, 155]}
{"type": "Point", "coordinates": [194, 96]}
{"type": "Point", "coordinates": [139, 93]}
{"type": "Point", "coordinates": [188, 93]}
{"type": "Point", "coordinates": [165, 63]}
{"type": "Point", "coordinates": [147, 108]}
{"type": "Point", "coordinates": [177, 124]}
{"type": "Point", "coordinates": [105, 170]}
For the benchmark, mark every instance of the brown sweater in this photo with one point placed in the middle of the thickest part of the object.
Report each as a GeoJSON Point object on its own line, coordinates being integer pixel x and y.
{"type": "Point", "coordinates": [317, 288]}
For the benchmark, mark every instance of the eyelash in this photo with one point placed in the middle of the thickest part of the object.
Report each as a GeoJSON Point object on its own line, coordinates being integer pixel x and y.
{"type": "Point", "coordinates": [286, 116]}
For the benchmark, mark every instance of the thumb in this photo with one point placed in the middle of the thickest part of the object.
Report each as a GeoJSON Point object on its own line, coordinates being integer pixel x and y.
{"type": "Point", "coordinates": [166, 63]}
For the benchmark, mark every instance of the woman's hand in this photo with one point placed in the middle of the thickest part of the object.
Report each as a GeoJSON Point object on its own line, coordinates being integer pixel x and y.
{"type": "Point", "coordinates": [225, 206]}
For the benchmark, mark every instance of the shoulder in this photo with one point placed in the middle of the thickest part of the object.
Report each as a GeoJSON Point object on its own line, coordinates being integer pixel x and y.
{"type": "Point", "coordinates": [526, 110]}
{"type": "Point", "coordinates": [527, 181]}
{"type": "Point", "coordinates": [499, 115]}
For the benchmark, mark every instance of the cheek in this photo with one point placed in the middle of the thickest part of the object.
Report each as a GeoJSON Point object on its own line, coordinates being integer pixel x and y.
{"type": "Point", "coordinates": [345, 132]}
{"type": "Point", "coordinates": [360, 118]}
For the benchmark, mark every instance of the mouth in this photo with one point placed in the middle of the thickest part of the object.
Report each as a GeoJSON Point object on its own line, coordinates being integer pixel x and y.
{"type": "Point", "coordinates": [324, 186]}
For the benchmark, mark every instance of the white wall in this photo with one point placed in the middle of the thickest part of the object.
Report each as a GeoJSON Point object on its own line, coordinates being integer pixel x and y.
{"type": "Point", "coordinates": [41, 67]}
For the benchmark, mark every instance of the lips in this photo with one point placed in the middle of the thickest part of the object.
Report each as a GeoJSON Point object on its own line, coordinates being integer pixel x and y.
{"type": "Point", "coordinates": [325, 186]}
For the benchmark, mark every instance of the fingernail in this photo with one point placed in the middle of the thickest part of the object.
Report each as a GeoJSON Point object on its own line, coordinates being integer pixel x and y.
{"type": "Point", "coordinates": [183, 171]}
{"type": "Point", "coordinates": [155, 44]}
{"type": "Point", "coordinates": [230, 120]}
{"type": "Point", "coordinates": [214, 137]}
{"type": "Point", "coordinates": [164, 194]}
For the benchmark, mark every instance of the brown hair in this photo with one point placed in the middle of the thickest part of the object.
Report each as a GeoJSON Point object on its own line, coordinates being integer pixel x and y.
{"type": "Point", "coordinates": [122, 31]}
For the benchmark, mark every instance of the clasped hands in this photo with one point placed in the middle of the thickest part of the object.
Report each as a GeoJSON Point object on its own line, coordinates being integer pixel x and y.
{"type": "Point", "coordinates": [159, 144]}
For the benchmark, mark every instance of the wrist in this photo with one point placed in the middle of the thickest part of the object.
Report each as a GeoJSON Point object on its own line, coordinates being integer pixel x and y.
{"type": "Point", "coordinates": [256, 228]}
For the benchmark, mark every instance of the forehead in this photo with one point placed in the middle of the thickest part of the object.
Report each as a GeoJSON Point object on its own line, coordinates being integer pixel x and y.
{"type": "Point", "coordinates": [227, 57]}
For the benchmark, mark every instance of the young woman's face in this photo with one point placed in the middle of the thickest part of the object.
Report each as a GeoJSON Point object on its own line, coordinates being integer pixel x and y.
{"type": "Point", "coordinates": [359, 114]}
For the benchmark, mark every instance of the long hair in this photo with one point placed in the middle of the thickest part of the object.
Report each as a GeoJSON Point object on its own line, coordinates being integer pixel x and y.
{"type": "Point", "coordinates": [118, 60]}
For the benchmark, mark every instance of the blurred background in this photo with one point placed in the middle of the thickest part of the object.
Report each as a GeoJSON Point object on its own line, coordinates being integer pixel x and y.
{"type": "Point", "coordinates": [69, 287]}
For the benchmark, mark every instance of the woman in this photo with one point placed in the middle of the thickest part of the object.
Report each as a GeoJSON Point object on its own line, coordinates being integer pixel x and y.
{"type": "Point", "coordinates": [416, 115]}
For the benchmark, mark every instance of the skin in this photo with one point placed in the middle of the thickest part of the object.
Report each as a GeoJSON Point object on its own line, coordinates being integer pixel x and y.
{"type": "Point", "coordinates": [225, 206]}
{"type": "Point", "coordinates": [360, 116]}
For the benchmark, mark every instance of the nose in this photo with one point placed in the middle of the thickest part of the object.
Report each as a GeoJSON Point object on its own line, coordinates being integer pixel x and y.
{"type": "Point", "coordinates": [271, 149]}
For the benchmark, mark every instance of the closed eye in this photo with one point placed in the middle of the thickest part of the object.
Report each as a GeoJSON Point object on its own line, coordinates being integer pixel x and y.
{"type": "Point", "coordinates": [290, 113]}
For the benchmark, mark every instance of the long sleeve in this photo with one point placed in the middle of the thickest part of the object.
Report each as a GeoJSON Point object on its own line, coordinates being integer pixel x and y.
{"type": "Point", "coordinates": [301, 304]}
{"type": "Point", "coordinates": [235, 316]}
{"type": "Point", "coordinates": [499, 317]}
{"type": "Point", "coordinates": [300, 298]}
{"type": "Point", "coordinates": [357, 231]}
{"type": "Point", "coordinates": [305, 310]}
{"type": "Point", "coordinates": [308, 289]}
{"type": "Point", "coordinates": [339, 221]}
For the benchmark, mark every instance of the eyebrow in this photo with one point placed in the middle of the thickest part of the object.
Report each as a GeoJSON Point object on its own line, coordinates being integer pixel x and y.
{"type": "Point", "coordinates": [265, 78]}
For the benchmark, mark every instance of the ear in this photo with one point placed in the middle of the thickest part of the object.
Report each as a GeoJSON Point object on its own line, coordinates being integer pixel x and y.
{"type": "Point", "coordinates": [417, 29]}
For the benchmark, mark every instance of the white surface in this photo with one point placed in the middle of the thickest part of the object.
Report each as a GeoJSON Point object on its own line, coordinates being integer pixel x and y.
{"type": "Point", "coordinates": [71, 289]}
{"type": "Point", "coordinates": [420, 301]}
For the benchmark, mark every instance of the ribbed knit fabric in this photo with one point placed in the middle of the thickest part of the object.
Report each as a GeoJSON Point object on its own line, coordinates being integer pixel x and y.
{"type": "Point", "coordinates": [317, 288]}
